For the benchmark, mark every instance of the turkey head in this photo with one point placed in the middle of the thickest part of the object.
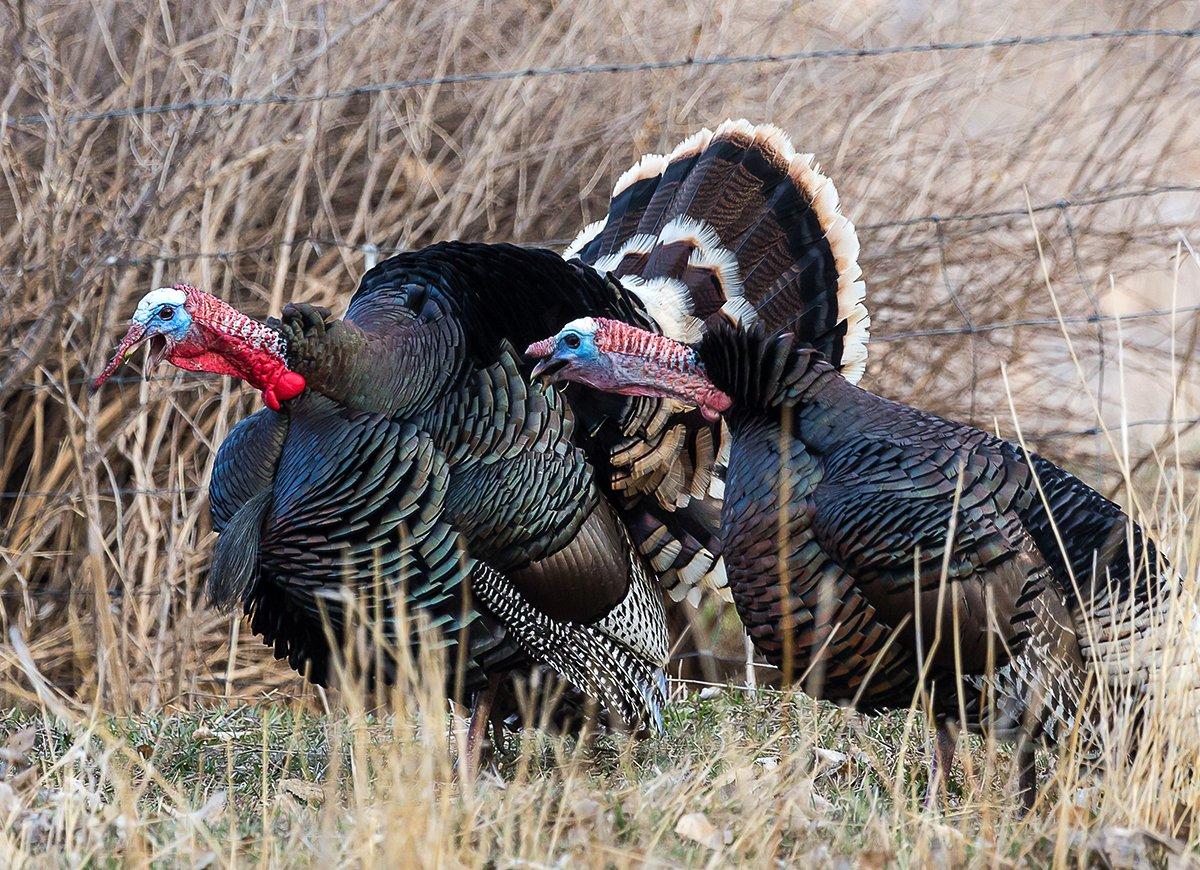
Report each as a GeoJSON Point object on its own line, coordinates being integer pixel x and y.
{"type": "Point", "coordinates": [198, 332]}
{"type": "Point", "coordinates": [614, 357]}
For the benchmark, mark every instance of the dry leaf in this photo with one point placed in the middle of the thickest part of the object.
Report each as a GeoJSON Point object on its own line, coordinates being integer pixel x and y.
{"type": "Point", "coordinates": [8, 800]}
{"type": "Point", "coordinates": [805, 806]}
{"type": "Point", "coordinates": [1121, 848]}
{"type": "Point", "coordinates": [697, 827]}
{"type": "Point", "coordinates": [875, 859]}
{"type": "Point", "coordinates": [309, 792]}
{"type": "Point", "coordinates": [288, 804]}
{"type": "Point", "coordinates": [19, 744]}
{"type": "Point", "coordinates": [1182, 862]}
{"type": "Point", "coordinates": [23, 780]}
{"type": "Point", "coordinates": [746, 777]}
{"type": "Point", "coordinates": [1075, 816]}
{"type": "Point", "coordinates": [212, 806]}
{"type": "Point", "coordinates": [830, 760]}
{"type": "Point", "coordinates": [585, 809]}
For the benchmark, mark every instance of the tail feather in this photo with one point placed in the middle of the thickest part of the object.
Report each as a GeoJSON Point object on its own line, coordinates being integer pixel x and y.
{"type": "Point", "coordinates": [610, 661]}
{"type": "Point", "coordinates": [750, 228]}
{"type": "Point", "coordinates": [732, 227]}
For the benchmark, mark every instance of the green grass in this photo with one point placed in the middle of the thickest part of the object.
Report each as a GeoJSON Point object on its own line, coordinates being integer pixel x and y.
{"type": "Point", "coordinates": [764, 777]}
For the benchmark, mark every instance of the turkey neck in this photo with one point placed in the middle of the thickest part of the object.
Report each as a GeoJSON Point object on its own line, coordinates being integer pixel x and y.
{"type": "Point", "coordinates": [820, 405]}
{"type": "Point", "coordinates": [397, 364]}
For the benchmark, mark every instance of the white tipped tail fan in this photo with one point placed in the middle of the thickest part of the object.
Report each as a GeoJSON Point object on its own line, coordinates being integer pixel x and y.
{"type": "Point", "coordinates": [732, 224]}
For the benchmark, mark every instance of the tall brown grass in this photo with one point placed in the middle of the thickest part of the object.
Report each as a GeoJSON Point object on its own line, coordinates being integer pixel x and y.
{"type": "Point", "coordinates": [107, 537]}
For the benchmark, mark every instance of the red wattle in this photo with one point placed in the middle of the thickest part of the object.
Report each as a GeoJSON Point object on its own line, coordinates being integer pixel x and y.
{"type": "Point", "coordinates": [290, 385]}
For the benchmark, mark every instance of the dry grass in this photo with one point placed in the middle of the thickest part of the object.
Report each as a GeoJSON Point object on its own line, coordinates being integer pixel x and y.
{"type": "Point", "coordinates": [101, 583]}
{"type": "Point", "coordinates": [748, 777]}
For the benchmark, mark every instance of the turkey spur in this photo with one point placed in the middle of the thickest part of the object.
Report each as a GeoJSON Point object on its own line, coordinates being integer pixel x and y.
{"type": "Point", "coordinates": [875, 550]}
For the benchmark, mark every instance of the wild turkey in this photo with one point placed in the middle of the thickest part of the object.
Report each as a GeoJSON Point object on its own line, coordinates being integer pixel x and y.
{"type": "Point", "coordinates": [403, 446]}
{"type": "Point", "coordinates": [406, 441]}
{"type": "Point", "coordinates": [916, 550]}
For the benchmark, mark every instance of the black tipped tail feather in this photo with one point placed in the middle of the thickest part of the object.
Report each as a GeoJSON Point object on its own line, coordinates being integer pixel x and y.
{"type": "Point", "coordinates": [625, 682]}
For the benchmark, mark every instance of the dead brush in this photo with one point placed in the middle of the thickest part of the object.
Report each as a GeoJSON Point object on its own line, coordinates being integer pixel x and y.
{"type": "Point", "coordinates": [105, 534]}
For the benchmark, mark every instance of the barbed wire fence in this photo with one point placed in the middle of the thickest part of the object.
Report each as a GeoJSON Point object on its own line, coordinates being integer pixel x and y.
{"type": "Point", "coordinates": [372, 253]}
{"type": "Point", "coordinates": [275, 99]}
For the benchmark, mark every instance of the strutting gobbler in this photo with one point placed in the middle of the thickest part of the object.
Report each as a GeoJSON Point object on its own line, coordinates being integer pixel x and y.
{"type": "Point", "coordinates": [871, 548]}
{"type": "Point", "coordinates": [404, 447]}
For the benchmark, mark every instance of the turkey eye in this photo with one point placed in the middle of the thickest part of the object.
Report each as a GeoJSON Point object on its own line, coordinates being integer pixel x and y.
{"type": "Point", "coordinates": [166, 312]}
{"type": "Point", "coordinates": [571, 340]}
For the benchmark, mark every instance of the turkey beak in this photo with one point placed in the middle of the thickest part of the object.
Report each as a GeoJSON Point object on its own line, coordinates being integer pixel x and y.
{"type": "Point", "coordinates": [135, 336]}
{"type": "Point", "coordinates": [158, 352]}
{"type": "Point", "coordinates": [548, 364]}
{"type": "Point", "coordinates": [548, 368]}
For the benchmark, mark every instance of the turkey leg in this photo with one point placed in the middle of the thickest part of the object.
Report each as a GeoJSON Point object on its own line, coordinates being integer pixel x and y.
{"type": "Point", "coordinates": [1027, 787]}
{"type": "Point", "coordinates": [481, 716]}
{"type": "Point", "coordinates": [945, 742]}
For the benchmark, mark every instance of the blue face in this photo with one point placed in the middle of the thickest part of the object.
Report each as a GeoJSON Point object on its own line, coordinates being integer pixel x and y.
{"type": "Point", "coordinates": [162, 312]}
{"type": "Point", "coordinates": [574, 356]}
{"type": "Point", "coordinates": [576, 346]}
{"type": "Point", "coordinates": [170, 320]}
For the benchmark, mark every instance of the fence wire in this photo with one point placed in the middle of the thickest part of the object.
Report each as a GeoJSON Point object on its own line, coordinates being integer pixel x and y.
{"type": "Point", "coordinates": [968, 327]}
{"type": "Point", "coordinates": [372, 250]}
{"type": "Point", "coordinates": [275, 99]}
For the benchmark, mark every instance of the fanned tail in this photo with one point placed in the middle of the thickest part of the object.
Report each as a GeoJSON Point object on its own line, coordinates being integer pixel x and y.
{"type": "Point", "coordinates": [732, 226]}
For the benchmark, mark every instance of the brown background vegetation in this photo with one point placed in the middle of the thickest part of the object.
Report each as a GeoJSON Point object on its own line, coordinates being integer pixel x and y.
{"type": "Point", "coordinates": [105, 533]}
